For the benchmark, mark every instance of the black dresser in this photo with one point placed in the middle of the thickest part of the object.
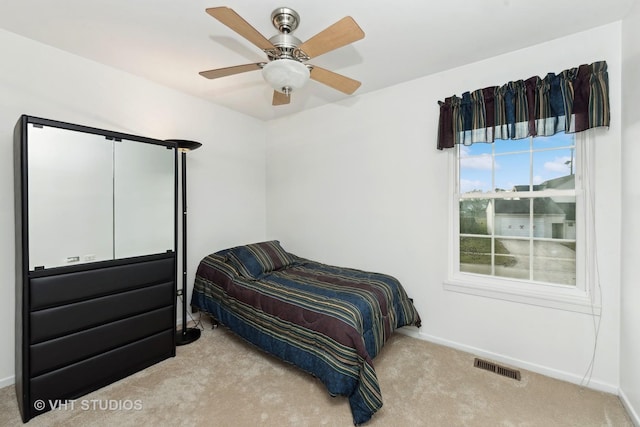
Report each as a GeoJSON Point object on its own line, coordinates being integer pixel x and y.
{"type": "Point", "coordinates": [98, 311]}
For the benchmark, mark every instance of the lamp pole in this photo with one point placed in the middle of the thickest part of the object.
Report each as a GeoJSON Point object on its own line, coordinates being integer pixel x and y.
{"type": "Point", "coordinates": [185, 335]}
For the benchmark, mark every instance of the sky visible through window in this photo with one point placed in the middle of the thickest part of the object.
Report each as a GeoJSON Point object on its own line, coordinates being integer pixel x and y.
{"type": "Point", "coordinates": [553, 157]}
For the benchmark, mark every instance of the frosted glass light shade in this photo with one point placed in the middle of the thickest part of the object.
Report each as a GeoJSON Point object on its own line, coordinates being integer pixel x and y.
{"type": "Point", "coordinates": [285, 75]}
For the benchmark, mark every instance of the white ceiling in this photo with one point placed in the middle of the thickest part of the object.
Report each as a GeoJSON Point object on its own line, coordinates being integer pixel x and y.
{"type": "Point", "coordinates": [170, 41]}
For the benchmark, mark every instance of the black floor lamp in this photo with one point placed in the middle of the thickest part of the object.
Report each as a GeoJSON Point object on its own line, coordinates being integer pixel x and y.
{"type": "Point", "coordinates": [186, 335]}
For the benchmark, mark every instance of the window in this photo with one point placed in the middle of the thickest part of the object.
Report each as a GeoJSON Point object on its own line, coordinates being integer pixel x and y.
{"type": "Point", "coordinates": [520, 226]}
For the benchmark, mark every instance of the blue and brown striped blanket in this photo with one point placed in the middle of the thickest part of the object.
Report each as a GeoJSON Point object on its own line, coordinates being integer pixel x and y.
{"type": "Point", "coordinates": [329, 321]}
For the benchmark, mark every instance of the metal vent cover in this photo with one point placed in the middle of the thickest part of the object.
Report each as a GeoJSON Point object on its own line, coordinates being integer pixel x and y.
{"type": "Point", "coordinates": [493, 367]}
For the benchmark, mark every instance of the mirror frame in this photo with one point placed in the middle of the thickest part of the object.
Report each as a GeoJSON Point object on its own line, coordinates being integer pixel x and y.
{"type": "Point", "coordinates": [22, 184]}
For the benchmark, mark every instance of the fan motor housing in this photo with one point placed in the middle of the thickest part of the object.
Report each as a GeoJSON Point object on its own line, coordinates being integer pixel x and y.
{"type": "Point", "coordinates": [285, 44]}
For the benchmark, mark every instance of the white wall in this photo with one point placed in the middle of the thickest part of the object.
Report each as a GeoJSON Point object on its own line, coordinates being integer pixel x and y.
{"type": "Point", "coordinates": [361, 184]}
{"type": "Point", "coordinates": [226, 175]}
{"type": "Point", "coordinates": [630, 319]}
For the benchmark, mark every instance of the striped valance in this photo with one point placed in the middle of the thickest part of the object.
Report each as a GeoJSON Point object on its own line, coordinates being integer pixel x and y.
{"type": "Point", "coordinates": [571, 101]}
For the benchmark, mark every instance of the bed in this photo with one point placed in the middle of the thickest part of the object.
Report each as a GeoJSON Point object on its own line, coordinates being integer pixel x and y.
{"type": "Point", "coordinates": [329, 321]}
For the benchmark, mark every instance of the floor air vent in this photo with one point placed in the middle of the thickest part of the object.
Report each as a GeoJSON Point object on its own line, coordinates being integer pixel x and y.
{"type": "Point", "coordinates": [500, 370]}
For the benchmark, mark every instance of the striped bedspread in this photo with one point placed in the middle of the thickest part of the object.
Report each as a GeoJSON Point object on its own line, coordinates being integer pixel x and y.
{"type": "Point", "coordinates": [327, 320]}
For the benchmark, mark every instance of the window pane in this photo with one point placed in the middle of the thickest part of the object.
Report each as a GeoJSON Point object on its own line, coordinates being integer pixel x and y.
{"type": "Point", "coordinates": [473, 216]}
{"type": "Point", "coordinates": [512, 172]}
{"type": "Point", "coordinates": [512, 258]}
{"type": "Point", "coordinates": [554, 262]}
{"type": "Point", "coordinates": [512, 145]}
{"type": "Point", "coordinates": [475, 255]}
{"type": "Point", "coordinates": [511, 217]}
{"type": "Point", "coordinates": [554, 217]}
{"type": "Point", "coordinates": [556, 141]}
{"type": "Point", "coordinates": [476, 165]}
{"type": "Point", "coordinates": [554, 169]}
{"type": "Point", "coordinates": [475, 149]}
{"type": "Point", "coordinates": [473, 177]}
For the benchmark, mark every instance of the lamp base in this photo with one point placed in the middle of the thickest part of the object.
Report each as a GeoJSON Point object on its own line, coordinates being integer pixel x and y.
{"type": "Point", "coordinates": [187, 336]}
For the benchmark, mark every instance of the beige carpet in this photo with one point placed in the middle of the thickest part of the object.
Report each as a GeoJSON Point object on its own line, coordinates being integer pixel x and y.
{"type": "Point", "coordinates": [221, 381]}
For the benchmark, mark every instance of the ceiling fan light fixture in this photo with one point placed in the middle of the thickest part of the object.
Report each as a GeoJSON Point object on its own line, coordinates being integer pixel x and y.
{"type": "Point", "coordinates": [286, 75]}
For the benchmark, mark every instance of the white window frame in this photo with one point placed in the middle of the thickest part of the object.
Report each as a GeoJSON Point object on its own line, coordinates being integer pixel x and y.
{"type": "Point", "coordinates": [583, 296]}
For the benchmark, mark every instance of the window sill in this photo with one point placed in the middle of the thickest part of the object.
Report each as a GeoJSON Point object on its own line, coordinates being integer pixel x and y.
{"type": "Point", "coordinates": [548, 296]}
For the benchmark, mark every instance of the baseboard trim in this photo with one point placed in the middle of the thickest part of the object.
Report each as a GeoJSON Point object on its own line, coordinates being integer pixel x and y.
{"type": "Point", "coordinates": [4, 382]}
{"type": "Point", "coordinates": [633, 414]}
{"type": "Point", "coordinates": [543, 370]}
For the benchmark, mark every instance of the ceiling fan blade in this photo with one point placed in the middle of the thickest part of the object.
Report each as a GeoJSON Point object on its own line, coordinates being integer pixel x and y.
{"type": "Point", "coordinates": [341, 33]}
{"type": "Point", "coordinates": [234, 21]}
{"type": "Point", "coordinates": [337, 81]}
{"type": "Point", "coordinates": [229, 71]}
{"type": "Point", "coordinates": [280, 98]}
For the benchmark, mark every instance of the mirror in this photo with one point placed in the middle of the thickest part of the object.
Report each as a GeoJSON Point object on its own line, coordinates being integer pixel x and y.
{"type": "Point", "coordinates": [94, 198]}
{"type": "Point", "coordinates": [144, 188]}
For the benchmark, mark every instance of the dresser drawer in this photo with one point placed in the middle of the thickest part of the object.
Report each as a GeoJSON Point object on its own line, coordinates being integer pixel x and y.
{"type": "Point", "coordinates": [58, 352]}
{"type": "Point", "coordinates": [83, 377]}
{"type": "Point", "coordinates": [54, 322]}
{"type": "Point", "coordinates": [58, 289]}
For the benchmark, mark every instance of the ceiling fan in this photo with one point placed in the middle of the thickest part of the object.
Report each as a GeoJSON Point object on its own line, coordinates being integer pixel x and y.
{"type": "Point", "coordinates": [286, 70]}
